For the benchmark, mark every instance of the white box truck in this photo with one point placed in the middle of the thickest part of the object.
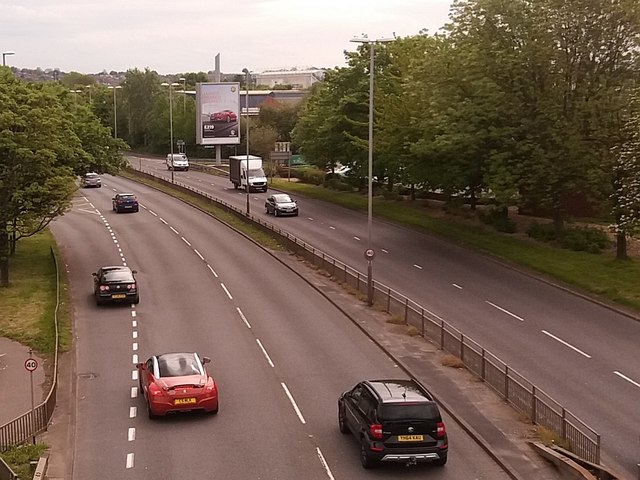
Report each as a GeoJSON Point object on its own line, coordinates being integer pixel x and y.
{"type": "Point", "coordinates": [238, 172]}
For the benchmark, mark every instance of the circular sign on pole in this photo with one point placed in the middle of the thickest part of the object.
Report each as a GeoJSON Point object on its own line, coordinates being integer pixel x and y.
{"type": "Point", "coordinates": [30, 364]}
{"type": "Point", "coordinates": [369, 253]}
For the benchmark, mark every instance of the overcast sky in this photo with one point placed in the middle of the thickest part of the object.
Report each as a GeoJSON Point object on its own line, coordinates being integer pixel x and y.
{"type": "Point", "coordinates": [89, 36]}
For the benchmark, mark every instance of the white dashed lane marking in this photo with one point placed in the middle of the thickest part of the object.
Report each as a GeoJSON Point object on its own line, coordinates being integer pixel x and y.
{"type": "Point", "coordinates": [505, 311]}
{"type": "Point", "coordinates": [566, 344]}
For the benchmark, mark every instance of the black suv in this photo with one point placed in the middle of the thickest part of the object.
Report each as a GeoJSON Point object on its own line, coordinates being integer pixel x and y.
{"type": "Point", "coordinates": [395, 421]}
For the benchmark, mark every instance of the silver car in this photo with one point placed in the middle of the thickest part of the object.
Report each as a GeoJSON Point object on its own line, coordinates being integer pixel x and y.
{"type": "Point", "coordinates": [91, 180]}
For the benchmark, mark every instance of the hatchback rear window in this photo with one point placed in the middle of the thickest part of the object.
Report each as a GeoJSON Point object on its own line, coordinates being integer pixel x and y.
{"type": "Point", "coordinates": [416, 411]}
{"type": "Point", "coordinates": [117, 276]}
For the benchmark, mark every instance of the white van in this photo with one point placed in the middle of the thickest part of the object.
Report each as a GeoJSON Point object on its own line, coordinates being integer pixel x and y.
{"type": "Point", "coordinates": [177, 161]}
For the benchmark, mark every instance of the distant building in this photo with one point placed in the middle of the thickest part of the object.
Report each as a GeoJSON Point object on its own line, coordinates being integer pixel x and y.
{"type": "Point", "coordinates": [258, 98]}
{"type": "Point", "coordinates": [301, 79]}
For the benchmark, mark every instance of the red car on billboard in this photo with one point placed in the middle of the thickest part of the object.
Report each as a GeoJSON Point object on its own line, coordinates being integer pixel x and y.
{"type": "Point", "coordinates": [224, 116]}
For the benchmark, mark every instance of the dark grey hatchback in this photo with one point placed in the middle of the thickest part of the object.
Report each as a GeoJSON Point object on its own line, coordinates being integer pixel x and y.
{"type": "Point", "coordinates": [115, 284]}
{"type": "Point", "coordinates": [395, 421]}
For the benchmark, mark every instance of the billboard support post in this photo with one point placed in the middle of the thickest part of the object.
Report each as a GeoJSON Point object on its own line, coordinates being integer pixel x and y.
{"type": "Point", "coordinates": [216, 78]}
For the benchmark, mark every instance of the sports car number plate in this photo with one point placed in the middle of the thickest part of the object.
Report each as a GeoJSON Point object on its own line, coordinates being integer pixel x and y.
{"type": "Point", "coordinates": [118, 295]}
{"type": "Point", "coordinates": [410, 438]}
{"type": "Point", "coordinates": [184, 401]}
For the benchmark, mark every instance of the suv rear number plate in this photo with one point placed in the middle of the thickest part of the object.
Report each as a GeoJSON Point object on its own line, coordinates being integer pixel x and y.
{"type": "Point", "coordinates": [184, 401]}
{"type": "Point", "coordinates": [410, 438]}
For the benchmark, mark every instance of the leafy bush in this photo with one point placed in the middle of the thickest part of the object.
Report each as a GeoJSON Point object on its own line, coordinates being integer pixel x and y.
{"type": "Point", "coordinates": [310, 175]}
{"type": "Point", "coordinates": [579, 239]}
{"type": "Point", "coordinates": [543, 232]}
{"type": "Point", "coordinates": [499, 219]}
{"type": "Point", "coordinates": [391, 195]}
{"type": "Point", "coordinates": [337, 184]}
{"type": "Point", "coordinates": [585, 239]}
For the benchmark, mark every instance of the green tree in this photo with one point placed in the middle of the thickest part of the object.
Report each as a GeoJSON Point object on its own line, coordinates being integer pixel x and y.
{"type": "Point", "coordinates": [626, 194]}
{"type": "Point", "coordinates": [139, 95]}
{"type": "Point", "coordinates": [43, 133]}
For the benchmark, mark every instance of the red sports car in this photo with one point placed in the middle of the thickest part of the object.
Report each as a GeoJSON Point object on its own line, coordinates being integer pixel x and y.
{"type": "Point", "coordinates": [224, 116]}
{"type": "Point", "coordinates": [177, 382]}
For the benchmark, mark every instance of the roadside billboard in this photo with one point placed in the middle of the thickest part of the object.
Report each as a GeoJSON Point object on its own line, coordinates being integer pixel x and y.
{"type": "Point", "coordinates": [218, 113]}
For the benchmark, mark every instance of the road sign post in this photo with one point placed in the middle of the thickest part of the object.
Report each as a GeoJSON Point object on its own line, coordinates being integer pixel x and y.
{"type": "Point", "coordinates": [31, 364]}
{"type": "Point", "coordinates": [369, 254]}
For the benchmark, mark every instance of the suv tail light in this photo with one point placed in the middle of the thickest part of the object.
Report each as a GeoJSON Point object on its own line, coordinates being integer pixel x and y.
{"type": "Point", "coordinates": [376, 430]}
{"type": "Point", "coordinates": [441, 431]}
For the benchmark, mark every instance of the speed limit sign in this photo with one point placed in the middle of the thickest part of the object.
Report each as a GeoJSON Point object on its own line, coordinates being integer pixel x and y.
{"type": "Point", "coordinates": [31, 364]}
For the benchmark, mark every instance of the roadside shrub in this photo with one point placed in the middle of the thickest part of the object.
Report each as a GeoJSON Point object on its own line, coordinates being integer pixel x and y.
{"type": "Point", "coordinates": [579, 239]}
{"type": "Point", "coordinates": [543, 232]}
{"type": "Point", "coordinates": [310, 175]}
{"type": "Point", "coordinates": [391, 195]}
{"type": "Point", "coordinates": [499, 219]}
{"type": "Point", "coordinates": [591, 240]}
{"type": "Point", "coordinates": [337, 184]}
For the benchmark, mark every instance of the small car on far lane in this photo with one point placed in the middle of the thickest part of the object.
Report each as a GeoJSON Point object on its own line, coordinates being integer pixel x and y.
{"type": "Point", "coordinates": [124, 202]}
{"type": "Point", "coordinates": [281, 204]}
{"type": "Point", "coordinates": [91, 179]}
{"type": "Point", "coordinates": [177, 382]}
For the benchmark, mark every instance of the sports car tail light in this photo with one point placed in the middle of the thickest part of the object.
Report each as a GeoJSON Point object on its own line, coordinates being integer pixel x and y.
{"type": "Point", "coordinates": [375, 430]}
{"type": "Point", "coordinates": [211, 388]}
{"type": "Point", "coordinates": [441, 430]}
{"type": "Point", "coordinates": [155, 390]}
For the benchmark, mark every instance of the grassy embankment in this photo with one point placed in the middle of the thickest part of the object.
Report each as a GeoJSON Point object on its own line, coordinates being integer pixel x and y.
{"type": "Point", "coordinates": [27, 309]}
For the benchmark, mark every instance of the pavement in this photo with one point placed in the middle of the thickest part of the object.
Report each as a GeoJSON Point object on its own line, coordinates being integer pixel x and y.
{"type": "Point", "coordinates": [497, 427]}
{"type": "Point", "coordinates": [15, 381]}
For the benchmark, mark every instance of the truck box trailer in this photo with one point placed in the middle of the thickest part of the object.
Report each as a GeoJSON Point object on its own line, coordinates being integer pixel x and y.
{"type": "Point", "coordinates": [243, 167]}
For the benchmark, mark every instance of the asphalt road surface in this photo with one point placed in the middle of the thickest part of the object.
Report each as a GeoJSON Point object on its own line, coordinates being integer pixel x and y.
{"type": "Point", "coordinates": [581, 353]}
{"type": "Point", "coordinates": [281, 354]}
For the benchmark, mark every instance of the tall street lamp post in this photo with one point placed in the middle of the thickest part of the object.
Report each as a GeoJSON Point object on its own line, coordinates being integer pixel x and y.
{"type": "Point", "coordinates": [370, 252]}
{"type": "Point", "coordinates": [171, 85]}
{"type": "Point", "coordinates": [4, 55]}
{"type": "Point", "coordinates": [184, 95]}
{"type": "Point", "coordinates": [115, 110]}
{"type": "Point", "coordinates": [246, 103]}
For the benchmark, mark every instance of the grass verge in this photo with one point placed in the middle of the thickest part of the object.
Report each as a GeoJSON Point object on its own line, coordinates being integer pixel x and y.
{"type": "Point", "coordinates": [27, 305]}
{"type": "Point", "coordinates": [19, 458]}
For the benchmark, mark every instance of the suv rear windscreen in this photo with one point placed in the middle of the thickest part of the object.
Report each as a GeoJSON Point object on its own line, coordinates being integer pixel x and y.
{"type": "Point", "coordinates": [413, 411]}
